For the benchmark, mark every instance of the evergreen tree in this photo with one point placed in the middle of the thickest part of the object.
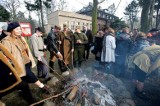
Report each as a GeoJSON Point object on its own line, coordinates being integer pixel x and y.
{"type": "Point", "coordinates": [4, 14]}
{"type": "Point", "coordinates": [38, 6]}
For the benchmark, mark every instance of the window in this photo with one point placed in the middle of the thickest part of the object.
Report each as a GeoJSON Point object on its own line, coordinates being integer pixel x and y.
{"type": "Point", "coordinates": [72, 25]}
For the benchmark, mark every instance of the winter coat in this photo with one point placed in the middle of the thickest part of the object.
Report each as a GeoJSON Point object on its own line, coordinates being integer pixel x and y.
{"type": "Point", "coordinates": [15, 50]}
{"type": "Point", "coordinates": [37, 45]}
{"type": "Point", "coordinates": [89, 35]}
{"type": "Point", "coordinates": [97, 47]}
{"type": "Point", "coordinates": [9, 75]}
{"type": "Point", "coordinates": [52, 42]}
{"type": "Point", "coordinates": [139, 45]}
{"type": "Point", "coordinates": [80, 36]}
{"type": "Point", "coordinates": [108, 48]}
{"type": "Point", "coordinates": [148, 60]}
{"type": "Point", "coordinates": [66, 45]}
{"type": "Point", "coordinates": [123, 44]}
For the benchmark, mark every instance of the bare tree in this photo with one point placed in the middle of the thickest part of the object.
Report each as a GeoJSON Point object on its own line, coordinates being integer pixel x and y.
{"type": "Point", "coordinates": [12, 6]}
{"type": "Point", "coordinates": [62, 4]}
{"type": "Point", "coordinates": [53, 5]}
{"type": "Point", "coordinates": [111, 9]}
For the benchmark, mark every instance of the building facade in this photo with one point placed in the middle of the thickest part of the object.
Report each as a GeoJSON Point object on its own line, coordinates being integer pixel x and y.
{"type": "Point", "coordinates": [71, 19]}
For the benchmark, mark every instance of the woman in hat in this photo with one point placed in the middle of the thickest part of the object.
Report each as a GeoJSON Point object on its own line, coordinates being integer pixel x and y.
{"type": "Point", "coordinates": [10, 76]}
{"type": "Point", "coordinates": [18, 47]}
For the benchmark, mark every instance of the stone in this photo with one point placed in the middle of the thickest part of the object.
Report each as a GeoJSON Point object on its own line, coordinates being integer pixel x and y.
{"type": "Point", "coordinates": [52, 82]}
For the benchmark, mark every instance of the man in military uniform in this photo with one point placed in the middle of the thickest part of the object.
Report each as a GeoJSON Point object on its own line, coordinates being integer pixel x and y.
{"type": "Point", "coordinates": [80, 39]}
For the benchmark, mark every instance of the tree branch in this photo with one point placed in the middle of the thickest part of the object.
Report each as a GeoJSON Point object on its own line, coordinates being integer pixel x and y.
{"type": "Point", "coordinates": [101, 1]}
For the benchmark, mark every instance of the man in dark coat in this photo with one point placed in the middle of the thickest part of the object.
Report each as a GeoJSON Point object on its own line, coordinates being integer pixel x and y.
{"type": "Point", "coordinates": [89, 35]}
{"type": "Point", "coordinates": [52, 46]}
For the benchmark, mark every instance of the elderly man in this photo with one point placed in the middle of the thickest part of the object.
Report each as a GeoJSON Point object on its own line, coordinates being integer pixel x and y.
{"type": "Point", "coordinates": [145, 62]}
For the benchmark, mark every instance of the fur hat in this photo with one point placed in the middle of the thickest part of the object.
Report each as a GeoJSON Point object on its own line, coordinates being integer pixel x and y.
{"type": "Point", "coordinates": [12, 26]}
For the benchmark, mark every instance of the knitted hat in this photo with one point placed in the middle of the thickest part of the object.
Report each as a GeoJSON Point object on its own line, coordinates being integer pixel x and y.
{"type": "Point", "coordinates": [12, 26]}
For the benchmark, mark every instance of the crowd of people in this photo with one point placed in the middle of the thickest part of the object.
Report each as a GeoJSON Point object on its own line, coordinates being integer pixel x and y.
{"type": "Point", "coordinates": [121, 51]}
{"type": "Point", "coordinates": [127, 51]}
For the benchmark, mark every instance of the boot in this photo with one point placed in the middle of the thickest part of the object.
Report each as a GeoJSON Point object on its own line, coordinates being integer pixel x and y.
{"type": "Point", "coordinates": [51, 64]}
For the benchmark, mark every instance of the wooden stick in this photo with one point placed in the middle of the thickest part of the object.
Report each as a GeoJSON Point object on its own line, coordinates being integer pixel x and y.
{"type": "Point", "coordinates": [54, 96]}
{"type": "Point", "coordinates": [54, 71]}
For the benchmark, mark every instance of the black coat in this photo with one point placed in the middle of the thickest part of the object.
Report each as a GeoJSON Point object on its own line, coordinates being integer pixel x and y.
{"type": "Point", "coordinates": [98, 47]}
{"type": "Point", "coordinates": [52, 42]}
{"type": "Point", "coordinates": [89, 36]}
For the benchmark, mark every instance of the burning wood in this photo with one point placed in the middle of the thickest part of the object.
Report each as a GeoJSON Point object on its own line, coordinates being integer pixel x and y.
{"type": "Point", "coordinates": [72, 94]}
{"type": "Point", "coordinates": [89, 92]}
{"type": "Point", "coordinates": [82, 90]}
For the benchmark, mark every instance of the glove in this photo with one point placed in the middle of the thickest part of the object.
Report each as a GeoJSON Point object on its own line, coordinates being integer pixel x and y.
{"type": "Point", "coordinates": [47, 89]}
{"type": "Point", "coordinates": [39, 59]}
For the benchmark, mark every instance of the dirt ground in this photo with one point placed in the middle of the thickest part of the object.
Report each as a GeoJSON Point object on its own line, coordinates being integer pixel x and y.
{"type": "Point", "coordinates": [152, 88]}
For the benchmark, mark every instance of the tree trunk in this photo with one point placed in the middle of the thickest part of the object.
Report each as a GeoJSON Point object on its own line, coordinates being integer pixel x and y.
{"type": "Point", "coordinates": [94, 17]}
{"type": "Point", "coordinates": [41, 10]}
{"type": "Point", "coordinates": [14, 13]}
{"type": "Point", "coordinates": [144, 15]}
{"type": "Point", "coordinates": [151, 14]}
{"type": "Point", "coordinates": [157, 15]}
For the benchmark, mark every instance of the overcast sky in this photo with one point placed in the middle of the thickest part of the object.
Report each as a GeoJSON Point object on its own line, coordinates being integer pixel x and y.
{"type": "Point", "coordinates": [78, 4]}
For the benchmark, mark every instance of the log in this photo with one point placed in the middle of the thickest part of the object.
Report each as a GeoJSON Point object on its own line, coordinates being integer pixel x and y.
{"type": "Point", "coordinates": [72, 94]}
